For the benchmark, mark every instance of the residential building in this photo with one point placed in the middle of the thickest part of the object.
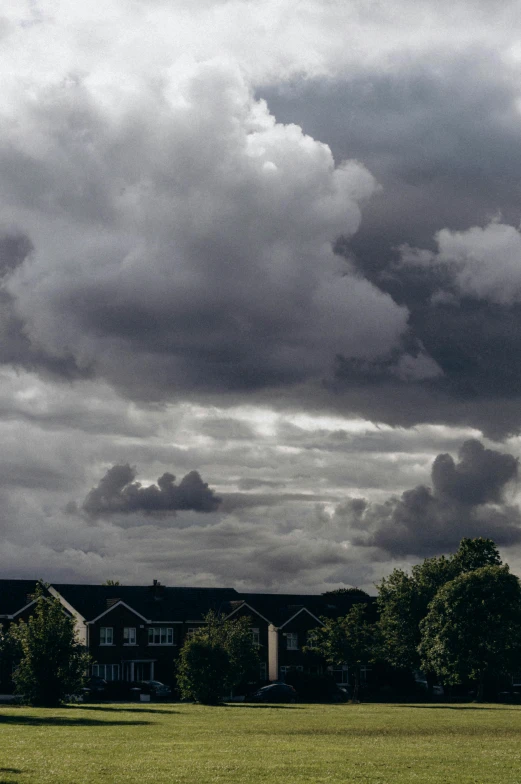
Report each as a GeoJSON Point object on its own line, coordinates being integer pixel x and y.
{"type": "Point", "coordinates": [135, 632]}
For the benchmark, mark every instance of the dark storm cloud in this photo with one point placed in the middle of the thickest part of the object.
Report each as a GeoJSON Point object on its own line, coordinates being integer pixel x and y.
{"type": "Point", "coordinates": [414, 124]}
{"type": "Point", "coordinates": [467, 498]}
{"type": "Point", "coordinates": [192, 251]}
{"type": "Point", "coordinates": [117, 492]}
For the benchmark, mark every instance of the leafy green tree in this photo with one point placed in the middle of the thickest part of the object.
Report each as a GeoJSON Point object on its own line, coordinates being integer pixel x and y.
{"type": "Point", "coordinates": [348, 640]}
{"type": "Point", "coordinates": [202, 670]}
{"type": "Point", "coordinates": [216, 658]}
{"type": "Point", "coordinates": [350, 592]}
{"type": "Point", "coordinates": [111, 583]}
{"type": "Point", "coordinates": [473, 627]}
{"type": "Point", "coordinates": [52, 661]}
{"type": "Point", "coordinates": [403, 599]}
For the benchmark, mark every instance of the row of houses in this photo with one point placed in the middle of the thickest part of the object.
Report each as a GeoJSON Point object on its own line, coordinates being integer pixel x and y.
{"type": "Point", "coordinates": [135, 632]}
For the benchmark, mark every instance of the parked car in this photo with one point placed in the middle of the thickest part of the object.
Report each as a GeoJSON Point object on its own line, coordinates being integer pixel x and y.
{"type": "Point", "coordinates": [156, 688]}
{"type": "Point", "coordinates": [95, 687]}
{"type": "Point", "coordinates": [275, 692]}
{"type": "Point", "coordinates": [509, 695]}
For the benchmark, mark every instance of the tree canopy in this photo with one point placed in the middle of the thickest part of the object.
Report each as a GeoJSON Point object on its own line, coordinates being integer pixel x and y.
{"type": "Point", "coordinates": [473, 627]}
{"type": "Point", "coordinates": [52, 662]}
{"type": "Point", "coordinates": [216, 658]}
{"type": "Point", "coordinates": [348, 640]}
{"type": "Point", "coordinates": [403, 599]}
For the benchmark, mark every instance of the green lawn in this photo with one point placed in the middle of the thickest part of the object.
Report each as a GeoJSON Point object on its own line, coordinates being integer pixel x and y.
{"type": "Point", "coordinates": [123, 744]}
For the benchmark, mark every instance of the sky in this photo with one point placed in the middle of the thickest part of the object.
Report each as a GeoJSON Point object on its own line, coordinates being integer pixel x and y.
{"type": "Point", "coordinates": [260, 289]}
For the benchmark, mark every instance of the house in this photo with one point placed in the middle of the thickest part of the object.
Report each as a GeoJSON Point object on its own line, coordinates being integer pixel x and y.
{"type": "Point", "coordinates": [135, 632]}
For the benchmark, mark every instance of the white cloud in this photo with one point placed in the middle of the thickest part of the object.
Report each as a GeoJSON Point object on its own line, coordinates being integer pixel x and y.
{"type": "Point", "coordinates": [484, 263]}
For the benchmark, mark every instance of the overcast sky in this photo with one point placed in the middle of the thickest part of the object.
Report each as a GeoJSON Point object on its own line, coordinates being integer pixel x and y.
{"type": "Point", "coordinates": [260, 288]}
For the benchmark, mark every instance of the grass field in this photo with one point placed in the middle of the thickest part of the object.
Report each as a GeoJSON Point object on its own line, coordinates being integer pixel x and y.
{"type": "Point", "coordinates": [123, 744]}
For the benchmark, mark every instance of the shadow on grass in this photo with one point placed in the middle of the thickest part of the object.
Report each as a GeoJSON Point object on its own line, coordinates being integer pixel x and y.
{"type": "Point", "coordinates": [64, 721]}
{"type": "Point", "coordinates": [119, 709]}
{"type": "Point", "coordinates": [255, 705]}
{"type": "Point", "coordinates": [455, 707]}
{"type": "Point", "coordinates": [10, 770]}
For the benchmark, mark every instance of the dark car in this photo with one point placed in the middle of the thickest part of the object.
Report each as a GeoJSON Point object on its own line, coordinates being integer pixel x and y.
{"type": "Point", "coordinates": [95, 687]}
{"type": "Point", "coordinates": [156, 688]}
{"type": "Point", "coordinates": [275, 692]}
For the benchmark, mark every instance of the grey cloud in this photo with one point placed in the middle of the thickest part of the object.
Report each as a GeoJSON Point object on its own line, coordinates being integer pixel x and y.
{"type": "Point", "coordinates": [467, 498]}
{"type": "Point", "coordinates": [252, 483]}
{"type": "Point", "coordinates": [191, 252]}
{"type": "Point", "coordinates": [414, 125]}
{"type": "Point", "coordinates": [117, 492]}
{"type": "Point", "coordinates": [232, 502]}
{"type": "Point", "coordinates": [480, 477]}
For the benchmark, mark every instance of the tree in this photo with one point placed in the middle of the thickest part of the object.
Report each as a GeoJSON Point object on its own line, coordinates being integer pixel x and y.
{"type": "Point", "coordinates": [473, 627]}
{"type": "Point", "coordinates": [111, 583]}
{"type": "Point", "coordinates": [216, 658]}
{"type": "Point", "coordinates": [348, 640]}
{"type": "Point", "coordinates": [403, 599]}
{"type": "Point", "coordinates": [52, 661]}
{"type": "Point", "coordinates": [349, 592]}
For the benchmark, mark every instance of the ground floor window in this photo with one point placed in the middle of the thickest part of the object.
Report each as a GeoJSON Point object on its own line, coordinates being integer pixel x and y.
{"type": "Point", "coordinates": [364, 673]}
{"type": "Point", "coordinates": [340, 674]}
{"type": "Point", "coordinates": [110, 672]}
{"type": "Point", "coordinates": [285, 668]}
{"type": "Point", "coordinates": [263, 671]}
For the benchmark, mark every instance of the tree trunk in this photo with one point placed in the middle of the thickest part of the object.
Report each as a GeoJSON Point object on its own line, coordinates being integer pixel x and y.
{"type": "Point", "coordinates": [430, 678]}
{"type": "Point", "coordinates": [356, 687]}
{"type": "Point", "coordinates": [479, 696]}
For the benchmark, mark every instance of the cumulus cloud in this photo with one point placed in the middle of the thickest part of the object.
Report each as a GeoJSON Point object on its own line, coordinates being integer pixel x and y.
{"type": "Point", "coordinates": [183, 239]}
{"type": "Point", "coordinates": [467, 498]}
{"type": "Point", "coordinates": [484, 263]}
{"type": "Point", "coordinates": [117, 492]}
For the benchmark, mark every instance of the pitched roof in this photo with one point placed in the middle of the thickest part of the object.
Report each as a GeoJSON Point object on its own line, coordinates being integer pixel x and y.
{"type": "Point", "coordinates": [156, 603]}
{"type": "Point", "coordinates": [280, 607]}
{"type": "Point", "coordinates": [15, 594]}
{"type": "Point", "coordinates": [162, 603]}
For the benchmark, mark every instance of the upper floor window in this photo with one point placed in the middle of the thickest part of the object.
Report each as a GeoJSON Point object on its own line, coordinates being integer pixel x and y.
{"type": "Point", "coordinates": [192, 630]}
{"type": "Point", "coordinates": [292, 641]}
{"type": "Point", "coordinates": [129, 635]}
{"type": "Point", "coordinates": [160, 635]}
{"type": "Point", "coordinates": [106, 635]}
{"type": "Point", "coordinates": [312, 638]}
{"type": "Point", "coordinates": [255, 637]}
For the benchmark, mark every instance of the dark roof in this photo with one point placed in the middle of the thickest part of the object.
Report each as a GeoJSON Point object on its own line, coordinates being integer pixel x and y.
{"type": "Point", "coordinates": [156, 603]}
{"type": "Point", "coordinates": [280, 607]}
{"type": "Point", "coordinates": [15, 594]}
{"type": "Point", "coordinates": [162, 603]}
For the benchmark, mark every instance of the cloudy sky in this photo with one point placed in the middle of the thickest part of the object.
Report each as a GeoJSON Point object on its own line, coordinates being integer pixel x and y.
{"type": "Point", "coordinates": [260, 288]}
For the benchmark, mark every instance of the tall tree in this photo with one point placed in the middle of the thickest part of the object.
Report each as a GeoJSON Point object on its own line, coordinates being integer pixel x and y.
{"type": "Point", "coordinates": [52, 662]}
{"type": "Point", "coordinates": [347, 640]}
{"type": "Point", "coordinates": [403, 599]}
{"type": "Point", "coordinates": [473, 627]}
{"type": "Point", "coordinates": [217, 658]}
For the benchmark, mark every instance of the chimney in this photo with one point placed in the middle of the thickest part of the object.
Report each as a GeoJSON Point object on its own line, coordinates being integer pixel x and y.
{"type": "Point", "coordinates": [157, 590]}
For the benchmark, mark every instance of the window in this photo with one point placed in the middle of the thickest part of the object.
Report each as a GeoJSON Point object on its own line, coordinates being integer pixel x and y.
{"type": "Point", "coordinates": [106, 635]}
{"type": "Point", "coordinates": [129, 635]}
{"type": "Point", "coordinates": [364, 670]}
{"type": "Point", "coordinates": [110, 672]}
{"type": "Point", "coordinates": [191, 631]}
{"type": "Point", "coordinates": [292, 641]}
{"type": "Point", "coordinates": [311, 638]}
{"type": "Point", "coordinates": [263, 671]}
{"type": "Point", "coordinates": [340, 673]}
{"type": "Point", "coordinates": [255, 637]}
{"type": "Point", "coordinates": [160, 635]}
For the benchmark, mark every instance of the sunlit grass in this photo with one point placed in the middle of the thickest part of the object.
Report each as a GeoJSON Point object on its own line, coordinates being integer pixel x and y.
{"type": "Point", "coordinates": [124, 744]}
